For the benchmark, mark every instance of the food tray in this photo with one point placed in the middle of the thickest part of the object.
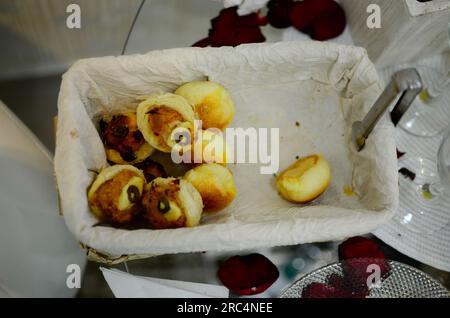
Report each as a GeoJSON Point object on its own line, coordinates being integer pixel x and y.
{"type": "Point", "coordinates": [311, 91]}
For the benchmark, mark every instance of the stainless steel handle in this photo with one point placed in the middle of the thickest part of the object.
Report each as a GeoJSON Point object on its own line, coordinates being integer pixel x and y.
{"type": "Point", "coordinates": [406, 83]}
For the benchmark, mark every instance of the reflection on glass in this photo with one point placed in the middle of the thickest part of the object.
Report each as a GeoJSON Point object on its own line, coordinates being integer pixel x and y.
{"type": "Point", "coordinates": [426, 191]}
{"type": "Point", "coordinates": [429, 114]}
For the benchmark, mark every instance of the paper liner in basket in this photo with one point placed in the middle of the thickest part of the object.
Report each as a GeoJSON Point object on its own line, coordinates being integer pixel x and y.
{"type": "Point", "coordinates": [324, 86]}
{"type": "Point", "coordinates": [99, 257]}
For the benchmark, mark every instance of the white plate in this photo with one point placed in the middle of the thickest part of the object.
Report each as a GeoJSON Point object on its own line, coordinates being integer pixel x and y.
{"type": "Point", "coordinates": [402, 281]}
{"type": "Point", "coordinates": [429, 248]}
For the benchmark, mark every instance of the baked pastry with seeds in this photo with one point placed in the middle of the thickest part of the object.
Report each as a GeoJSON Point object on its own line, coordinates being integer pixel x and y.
{"type": "Point", "coordinates": [171, 203]}
{"type": "Point", "coordinates": [123, 141]}
{"type": "Point", "coordinates": [161, 117]}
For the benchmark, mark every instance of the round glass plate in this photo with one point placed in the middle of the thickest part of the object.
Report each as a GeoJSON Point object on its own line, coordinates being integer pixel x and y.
{"type": "Point", "coordinates": [403, 281]}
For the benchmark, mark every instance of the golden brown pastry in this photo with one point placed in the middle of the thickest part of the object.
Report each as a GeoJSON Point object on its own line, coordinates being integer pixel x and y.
{"type": "Point", "coordinates": [115, 194]}
{"type": "Point", "coordinates": [214, 183]}
{"type": "Point", "coordinates": [212, 103]}
{"type": "Point", "coordinates": [171, 203]}
{"type": "Point", "coordinates": [123, 141]}
{"type": "Point", "coordinates": [305, 180]}
{"type": "Point", "coordinates": [160, 115]}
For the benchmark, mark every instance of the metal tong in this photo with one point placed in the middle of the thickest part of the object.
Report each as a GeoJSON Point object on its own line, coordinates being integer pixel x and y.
{"type": "Point", "coordinates": [406, 83]}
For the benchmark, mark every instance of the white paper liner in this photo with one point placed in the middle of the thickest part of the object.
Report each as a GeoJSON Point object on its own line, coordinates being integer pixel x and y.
{"type": "Point", "coordinates": [323, 86]}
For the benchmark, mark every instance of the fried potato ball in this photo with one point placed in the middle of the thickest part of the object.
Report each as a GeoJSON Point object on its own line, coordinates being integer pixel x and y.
{"type": "Point", "coordinates": [215, 184]}
{"type": "Point", "coordinates": [212, 103]}
{"type": "Point", "coordinates": [305, 180]}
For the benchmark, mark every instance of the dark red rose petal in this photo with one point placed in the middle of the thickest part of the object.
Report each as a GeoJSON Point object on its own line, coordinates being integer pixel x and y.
{"type": "Point", "coordinates": [278, 15]}
{"type": "Point", "coordinates": [359, 247]}
{"type": "Point", "coordinates": [357, 254]}
{"type": "Point", "coordinates": [337, 281]}
{"type": "Point", "coordinates": [321, 290]}
{"type": "Point", "coordinates": [304, 13]}
{"type": "Point", "coordinates": [318, 290]}
{"type": "Point", "coordinates": [230, 29]}
{"type": "Point", "coordinates": [318, 7]}
{"type": "Point", "coordinates": [236, 37]}
{"type": "Point", "coordinates": [356, 274]}
{"type": "Point", "coordinates": [322, 19]}
{"type": "Point", "coordinates": [225, 18]}
{"type": "Point", "coordinates": [229, 18]}
{"type": "Point", "coordinates": [329, 25]}
{"type": "Point", "coordinates": [358, 267]}
{"type": "Point", "coordinates": [337, 287]}
{"type": "Point", "coordinates": [249, 274]}
{"type": "Point", "coordinates": [202, 43]}
{"type": "Point", "coordinates": [345, 288]}
{"type": "Point", "coordinates": [301, 17]}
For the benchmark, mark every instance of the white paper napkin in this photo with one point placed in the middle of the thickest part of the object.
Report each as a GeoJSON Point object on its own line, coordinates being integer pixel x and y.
{"type": "Point", "coordinates": [124, 285]}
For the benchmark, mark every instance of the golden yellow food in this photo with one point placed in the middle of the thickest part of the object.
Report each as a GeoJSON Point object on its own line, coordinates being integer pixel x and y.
{"type": "Point", "coordinates": [210, 147]}
{"type": "Point", "coordinates": [171, 203]}
{"type": "Point", "coordinates": [212, 103]}
{"type": "Point", "coordinates": [305, 180]}
{"type": "Point", "coordinates": [160, 115]}
{"type": "Point", "coordinates": [214, 183]}
{"type": "Point", "coordinates": [115, 194]}
{"type": "Point", "coordinates": [123, 141]}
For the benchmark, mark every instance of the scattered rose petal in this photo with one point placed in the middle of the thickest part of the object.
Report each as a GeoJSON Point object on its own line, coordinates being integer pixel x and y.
{"type": "Point", "coordinates": [249, 274]}
{"type": "Point", "coordinates": [230, 29]}
{"type": "Point", "coordinates": [359, 247]}
{"type": "Point", "coordinates": [337, 281]}
{"type": "Point", "coordinates": [357, 271]}
{"type": "Point", "coordinates": [300, 16]}
{"type": "Point", "coordinates": [329, 25]}
{"type": "Point", "coordinates": [407, 173]}
{"type": "Point", "coordinates": [400, 154]}
{"type": "Point", "coordinates": [337, 287]}
{"type": "Point", "coordinates": [346, 289]}
{"type": "Point", "coordinates": [318, 290]}
{"type": "Point", "coordinates": [279, 13]}
{"type": "Point", "coordinates": [202, 43]}
{"type": "Point", "coordinates": [356, 255]}
{"type": "Point", "coordinates": [322, 290]}
{"type": "Point", "coordinates": [322, 19]}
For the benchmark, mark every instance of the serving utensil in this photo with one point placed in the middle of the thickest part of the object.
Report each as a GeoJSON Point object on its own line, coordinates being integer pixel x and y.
{"type": "Point", "coordinates": [405, 83]}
